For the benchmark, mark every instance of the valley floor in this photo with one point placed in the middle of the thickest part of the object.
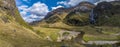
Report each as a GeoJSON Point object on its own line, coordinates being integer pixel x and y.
{"type": "Point", "coordinates": [103, 33]}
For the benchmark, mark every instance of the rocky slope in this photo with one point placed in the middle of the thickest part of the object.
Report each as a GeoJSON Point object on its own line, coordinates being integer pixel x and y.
{"type": "Point", "coordinates": [106, 13]}
{"type": "Point", "coordinates": [85, 13]}
{"type": "Point", "coordinates": [14, 32]}
{"type": "Point", "coordinates": [75, 16]}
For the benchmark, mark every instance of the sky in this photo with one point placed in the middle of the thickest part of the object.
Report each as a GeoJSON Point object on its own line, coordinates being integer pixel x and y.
{"type": "Point", "coordinates": [33, 10]}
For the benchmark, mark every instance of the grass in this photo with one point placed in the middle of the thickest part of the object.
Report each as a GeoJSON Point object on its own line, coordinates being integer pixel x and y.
{"type": "Point", "coordinates": [54, 36]}
{"type": "Point", "coordinates": [91, 33]}
{"type": "Point", "coordinates": [19, 19]}
{"type": "Point", "coordinates": [44, 32]}
{"type": "Point", "coordinates": [19, 36]}
{"type": "Point", "coordinates": [5, 44]}
{"type": "Point", "coordinates": [17, 33]}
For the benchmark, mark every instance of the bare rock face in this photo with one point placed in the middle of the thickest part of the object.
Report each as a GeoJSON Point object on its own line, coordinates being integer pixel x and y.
{"type": "Point", "coordinates": [10, 13]}
{"type": "Point", "coordinates": [106, 13]}
{"type": "Point", "coordinates": [9, 7]}
{"type": "Point", "coordinates": [84, 7]}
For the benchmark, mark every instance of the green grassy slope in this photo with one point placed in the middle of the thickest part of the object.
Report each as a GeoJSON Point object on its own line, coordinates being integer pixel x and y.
{"type": "Point", "coordinates": [14, 32]}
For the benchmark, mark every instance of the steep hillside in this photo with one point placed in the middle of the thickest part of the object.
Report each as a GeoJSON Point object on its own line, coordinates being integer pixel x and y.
{"type": "Point", "coordinates": [80, 15]}
{"type": "Point", "coordinates": [14, 32]}
{"type": "Point", "coordinates": [10, 9]}
{"type": "Point", "coordinates": [106, 13]}
{"type": "Point", "coordinates": [77, 15]}
{"type": "Point", "coordinates": [85, 13]}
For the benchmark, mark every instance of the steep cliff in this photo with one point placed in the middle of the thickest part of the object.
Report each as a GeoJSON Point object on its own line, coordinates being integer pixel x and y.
{"type": "Point", "coordinates": [106, 13]}
{"type": "Point", "coordinates": [14, 32]}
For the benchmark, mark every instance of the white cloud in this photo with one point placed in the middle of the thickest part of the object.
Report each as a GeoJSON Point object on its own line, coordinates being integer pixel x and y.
{"type": "Point", "coordinates": [53, 8]}
{"type": "Point", "coordinates": [36, 11]}
{"type": "Point", "coordinates": [102, 1]}
{"type": "Point", "coordinates": [23, 7]}
{"type": "Point", "coordinates": [23, 13]}
{"type": "Point", "coordinates": [71, 2]}
{"type": "Point", "coordinates": [32, 18]}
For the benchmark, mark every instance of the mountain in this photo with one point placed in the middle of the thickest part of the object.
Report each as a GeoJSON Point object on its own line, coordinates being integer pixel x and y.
{"type": "Point", "coordinates": [106, 13]}
{"type": "Point", "coordinates": [14, 32]}
{"type": "Point", "coordinates": [80, 15]}
{"type": "Point", "coordinates": [85, 13]}
{"type": "Point", "coordinates": [69, 16]}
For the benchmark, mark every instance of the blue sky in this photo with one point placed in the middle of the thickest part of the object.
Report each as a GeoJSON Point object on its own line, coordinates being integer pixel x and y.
{"type": "Point", "coordinates": [49, 3]}
{"type": "Point", "coordinates": [32, 10]}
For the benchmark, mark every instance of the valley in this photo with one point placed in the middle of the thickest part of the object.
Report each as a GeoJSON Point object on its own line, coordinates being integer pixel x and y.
{"type": "Point", "coordinates": [84, 25]}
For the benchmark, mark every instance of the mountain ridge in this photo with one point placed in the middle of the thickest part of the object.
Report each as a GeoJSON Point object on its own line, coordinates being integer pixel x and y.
{"type": "Point", "coordinates": [65, 11]}
{"type": "Point", "coordinates": [83, 8]}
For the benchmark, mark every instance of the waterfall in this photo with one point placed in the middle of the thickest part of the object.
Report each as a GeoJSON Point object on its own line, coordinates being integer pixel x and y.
{"type": "Point", "coordinates": [92, 17]}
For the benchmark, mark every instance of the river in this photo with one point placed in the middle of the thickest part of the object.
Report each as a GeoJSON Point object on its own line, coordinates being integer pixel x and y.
{"type": "Point", "coordinates": [102, 44]}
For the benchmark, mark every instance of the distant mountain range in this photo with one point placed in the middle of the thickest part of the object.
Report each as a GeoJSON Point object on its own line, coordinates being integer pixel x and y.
{"type": "Point", "coordinates": [85, 13]}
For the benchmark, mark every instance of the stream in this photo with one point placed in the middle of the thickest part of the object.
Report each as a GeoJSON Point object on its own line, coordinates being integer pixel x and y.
{"type": "Point", "coordinates": [102, 44]}
{"type": "Point", "coordinates": [92, 17]}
